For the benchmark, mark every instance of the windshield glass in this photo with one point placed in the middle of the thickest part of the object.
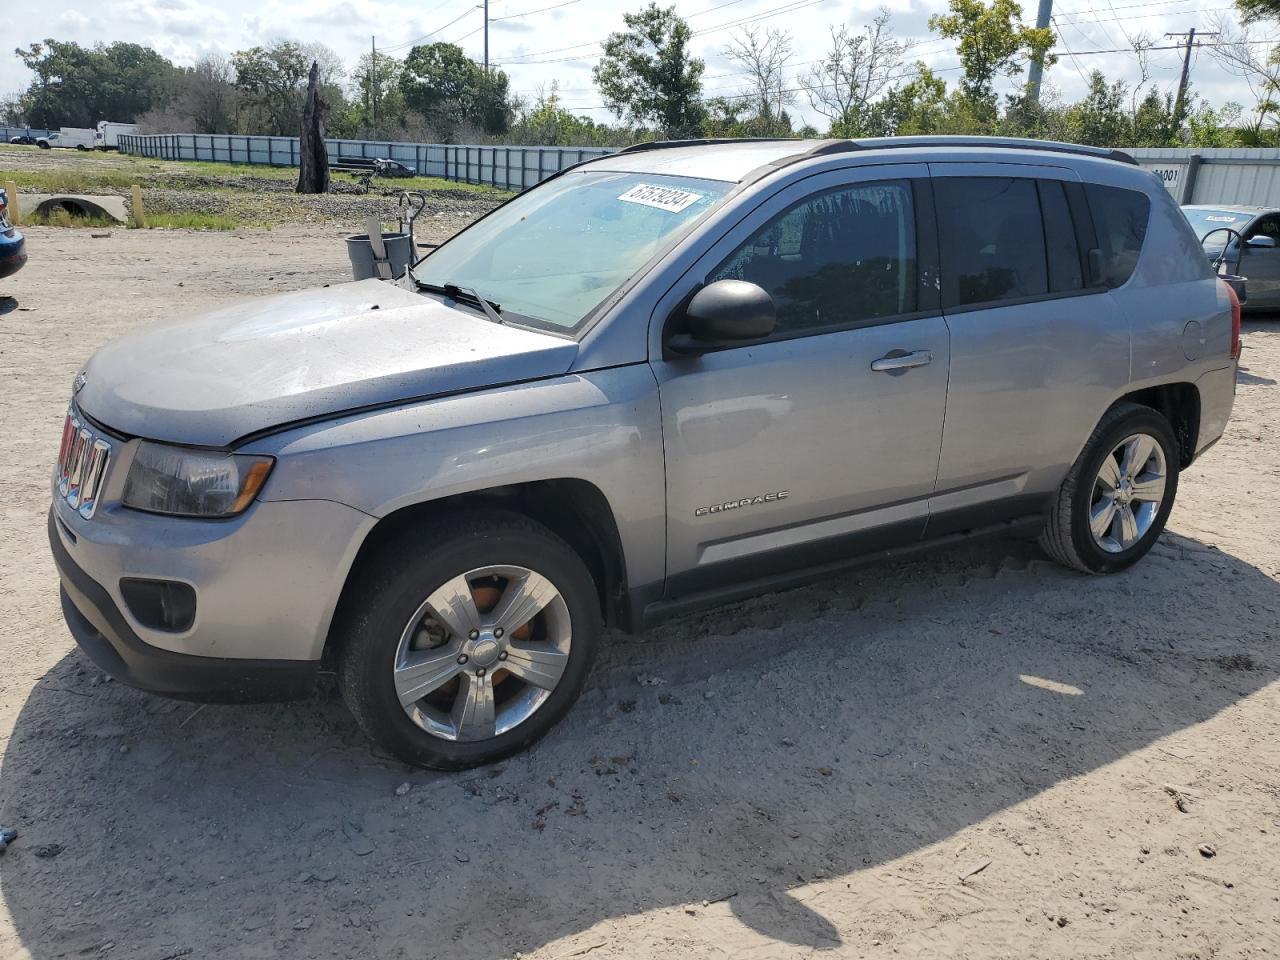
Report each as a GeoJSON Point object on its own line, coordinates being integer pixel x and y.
{"type": "Point", "coordinates": [1203, 221]}
{"type": "Point", "coordinates": [554, 254]}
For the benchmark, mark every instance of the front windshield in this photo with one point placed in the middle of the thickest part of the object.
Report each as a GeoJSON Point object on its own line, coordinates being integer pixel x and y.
{"type": "Point", "coordinates": [1206, 221]}
{"type": "Point", "coordinates": [554, 254]}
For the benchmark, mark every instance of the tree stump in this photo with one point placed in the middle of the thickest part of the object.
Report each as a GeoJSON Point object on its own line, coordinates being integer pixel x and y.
{"type": "Point", "coordinates": [313, 161]}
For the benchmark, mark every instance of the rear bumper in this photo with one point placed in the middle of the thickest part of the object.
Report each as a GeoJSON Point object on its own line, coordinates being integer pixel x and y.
{"type": "Point", "coordinates": [1217, 390]}
{"type": "Point", "coordinates": [104, 634]}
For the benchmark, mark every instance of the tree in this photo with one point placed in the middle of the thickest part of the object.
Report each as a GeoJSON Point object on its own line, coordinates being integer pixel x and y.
{"type": "Point", "coordinates": [856, 70]}
{"type": "Point", "coordinates": [208, 95]}
{"type": "Point", "coordinates": [992, 42]}
{"type": "Point", "coordinates": [546, 123]}
{"type": "Point", "coordinates": [1239, 52]}
{"type": "Point", "coordinates": [763, 56]}
{"type": "Point", "coordinates": [917, 107]}
{"type": "Point", "coordinates": [450, 89]}
{"type": "Point", "coordinates": [379, 101]}
{"type": "Point", "coordinates": [1100, 118]}
{"type": "Point", "coordinates": [647, 75]}
{"type": "Point", "coordinates": [270, 82]}
{"type": "Point", "coordinates": [1252, 11]}
{"type": "Point", "coordinates": [76, 87]}
{"type": "Point", "coordinates": [313, 163]}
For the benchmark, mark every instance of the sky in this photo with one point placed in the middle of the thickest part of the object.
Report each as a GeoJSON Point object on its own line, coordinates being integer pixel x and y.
{"type": "Point", "coordinates": [541, 42]}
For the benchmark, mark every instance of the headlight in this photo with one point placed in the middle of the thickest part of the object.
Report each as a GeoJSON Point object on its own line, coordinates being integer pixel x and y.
{"type": "Point", "coordinates": [193, 483]}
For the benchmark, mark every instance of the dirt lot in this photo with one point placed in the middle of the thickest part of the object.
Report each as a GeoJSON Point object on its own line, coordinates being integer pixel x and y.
{"type": "Point", "coordinates": [974, 754]}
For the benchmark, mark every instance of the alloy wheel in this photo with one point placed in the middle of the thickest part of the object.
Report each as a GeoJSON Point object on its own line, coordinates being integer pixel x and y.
{"type": "Point", "coordinates": [1128, 493]}
{"type": "Point", "coordinates": [482, 653]}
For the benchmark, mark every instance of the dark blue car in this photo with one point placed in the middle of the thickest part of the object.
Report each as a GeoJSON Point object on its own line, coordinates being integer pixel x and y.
{"type": "Point", "coordinates": [13, 248]}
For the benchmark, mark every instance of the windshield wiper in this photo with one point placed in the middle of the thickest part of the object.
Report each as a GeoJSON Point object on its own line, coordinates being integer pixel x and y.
{"type": "Point", "coordinates": [467, 295]}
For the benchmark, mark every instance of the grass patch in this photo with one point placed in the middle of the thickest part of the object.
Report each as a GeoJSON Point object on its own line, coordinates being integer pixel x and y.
{"type": "Point", "coordinates": [192, 221]}
{"type": "Point", "coordinates": [65, 218]}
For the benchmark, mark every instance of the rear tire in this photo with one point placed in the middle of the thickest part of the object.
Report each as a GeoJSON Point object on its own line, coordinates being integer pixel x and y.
{"type": "Point", "coordinates": [1116, 499]}
{"type": "Point", "coordinates": [441, 662]}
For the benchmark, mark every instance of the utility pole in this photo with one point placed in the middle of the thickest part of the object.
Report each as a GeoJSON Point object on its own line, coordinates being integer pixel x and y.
{"type": "Point", "coordinates": [1044, 17]}
{"type": "Point", "coordinates": [1179, 105]}
{"type": "Point", "coordinates": [373, 78]}
{"type": "Point", "coordinates": [486, 36]}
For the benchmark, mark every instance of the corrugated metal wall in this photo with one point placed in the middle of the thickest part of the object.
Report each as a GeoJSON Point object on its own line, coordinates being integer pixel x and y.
{"type": "Point", "coordinates": [1216, 175]}
{"type": "Point", "coordinates": [506, 167]}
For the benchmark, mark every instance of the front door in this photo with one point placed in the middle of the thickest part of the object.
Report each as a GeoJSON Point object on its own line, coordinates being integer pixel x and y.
{"type": "Point", "coordinates": [824, 439]}
{"type": "Point", "coordinates": [1261, 265]}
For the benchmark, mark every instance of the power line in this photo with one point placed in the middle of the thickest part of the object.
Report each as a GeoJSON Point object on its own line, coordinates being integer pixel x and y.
{"type": "Point", "coordinates": [530, 13]}
{"type": "Point", "coordinates": [427, 36]}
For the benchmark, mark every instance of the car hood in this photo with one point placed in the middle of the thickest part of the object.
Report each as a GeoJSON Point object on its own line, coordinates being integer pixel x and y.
{"type": "Point", "coordinates": [217, 377]}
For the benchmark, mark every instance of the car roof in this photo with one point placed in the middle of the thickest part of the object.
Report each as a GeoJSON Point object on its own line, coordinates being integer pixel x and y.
{"type": "Point", "coordinates": [736, 160]}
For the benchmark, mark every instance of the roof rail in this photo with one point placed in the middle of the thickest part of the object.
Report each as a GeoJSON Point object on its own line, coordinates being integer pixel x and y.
{"type": "Point", "coordinates": [705, 142]}
{"type": "Point", "coordinates": [993, 143]}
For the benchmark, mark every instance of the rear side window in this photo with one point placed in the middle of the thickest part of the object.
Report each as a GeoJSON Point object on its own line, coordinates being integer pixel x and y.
{"type": "Point", "coordinates": [1120, 219]}
{"type": "Point", "coordinates": [1065, 272]}
{"type": "Point", "coordinates": [843, 256]}
{"type": "Point", "coordinates": [992, 240]}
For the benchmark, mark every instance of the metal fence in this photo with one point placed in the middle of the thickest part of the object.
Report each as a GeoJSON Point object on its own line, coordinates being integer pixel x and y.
{"type": "Point", "coordinates": [1215, 175]}
{"type": "Point", "coordinates": [6, 133]}
{"type": "Point", "coordinates": [506, 167]}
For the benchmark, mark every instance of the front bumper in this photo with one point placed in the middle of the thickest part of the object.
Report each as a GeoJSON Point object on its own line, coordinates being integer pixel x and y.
{"type": "Point", "coordinates": [13, 253]}
{"type": "Point", "coordinates": [104, 634]}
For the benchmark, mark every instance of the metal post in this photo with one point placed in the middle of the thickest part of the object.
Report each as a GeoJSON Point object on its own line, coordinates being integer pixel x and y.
{"type": "Point", "coordinates": [1043, 18]}
{"type": "Point", "coordinates": [486, 36]}
{"type": "Point", "coordinates": [373, 78]}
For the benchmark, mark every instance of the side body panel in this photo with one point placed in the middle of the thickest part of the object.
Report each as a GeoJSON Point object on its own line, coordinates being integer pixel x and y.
{"type": "Point", "coordinates": [602, 427]}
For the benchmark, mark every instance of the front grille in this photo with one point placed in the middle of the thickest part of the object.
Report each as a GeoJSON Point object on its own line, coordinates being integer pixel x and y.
{"type": "Point", "coordinates": [82, 465]}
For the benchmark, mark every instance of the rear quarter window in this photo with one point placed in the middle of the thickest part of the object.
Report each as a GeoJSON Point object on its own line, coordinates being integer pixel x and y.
{"type": "Point", "coordinates": [1120, 218]}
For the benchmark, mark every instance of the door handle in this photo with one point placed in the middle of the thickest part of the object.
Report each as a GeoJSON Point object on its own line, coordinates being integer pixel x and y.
{"type": "Point", "coordinates": [901, 360]}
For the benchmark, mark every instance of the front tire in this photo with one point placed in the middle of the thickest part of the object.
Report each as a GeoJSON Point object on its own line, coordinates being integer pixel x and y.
{"type": "Point", "coordinates": [465, 640]}
{"type": "Point", "coordinates": [1116, 499]}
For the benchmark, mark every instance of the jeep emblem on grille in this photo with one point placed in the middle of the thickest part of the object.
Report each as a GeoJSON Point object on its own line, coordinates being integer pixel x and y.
{"type": "Point", "coordinates": [78, 383]}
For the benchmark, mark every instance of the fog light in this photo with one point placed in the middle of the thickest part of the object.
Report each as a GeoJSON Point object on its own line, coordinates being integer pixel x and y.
{"type": "Point", "coordinates": [160, 604]}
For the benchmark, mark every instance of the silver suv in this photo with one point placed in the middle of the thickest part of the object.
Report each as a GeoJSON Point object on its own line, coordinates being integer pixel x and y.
{"type": "Point", "coordinates": [671, 377]}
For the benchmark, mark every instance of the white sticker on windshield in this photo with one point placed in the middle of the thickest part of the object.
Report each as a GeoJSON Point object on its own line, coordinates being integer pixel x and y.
{"type": "Point", "coordinates": [1222, 219]}
{"type": "Point", "coordinates": [664, 198]}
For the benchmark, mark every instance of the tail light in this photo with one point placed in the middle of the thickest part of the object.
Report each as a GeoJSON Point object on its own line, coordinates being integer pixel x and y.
{"type": "Point", "coordinates": [1235, 322]}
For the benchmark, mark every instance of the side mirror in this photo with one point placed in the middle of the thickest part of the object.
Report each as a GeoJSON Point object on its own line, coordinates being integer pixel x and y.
{"type": "Point", "coordinates": [1261, 242]}
{"type": "Point", "coordinates": [724, 313]}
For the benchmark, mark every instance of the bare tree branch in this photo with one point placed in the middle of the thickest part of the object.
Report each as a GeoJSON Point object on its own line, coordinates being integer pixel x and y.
{"type": "Point", "coordinates": [857, 69]}
{"type": "Point", "coordinates": [764, 56]}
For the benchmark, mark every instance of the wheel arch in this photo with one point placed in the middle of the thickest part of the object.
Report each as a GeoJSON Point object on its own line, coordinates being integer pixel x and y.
{"type": "Point", "coordinates": [1179, 403]}
{"type": "Point", "coordinates": [575, 510]}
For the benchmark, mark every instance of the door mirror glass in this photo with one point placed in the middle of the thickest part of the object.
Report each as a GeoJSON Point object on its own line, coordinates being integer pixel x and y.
{"type": "Point", "coordinates": [1261, 242]}
{"type": "Point", "coordinates": [726, 312]}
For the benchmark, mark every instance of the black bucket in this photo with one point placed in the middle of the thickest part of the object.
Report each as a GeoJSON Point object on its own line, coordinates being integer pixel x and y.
{"type": "Point", "coordinates": [1235, 283]}
{"type": "Point", "coordinates": [399, 250]}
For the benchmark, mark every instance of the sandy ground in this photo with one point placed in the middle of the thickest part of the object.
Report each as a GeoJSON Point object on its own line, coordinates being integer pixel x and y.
{"type": "Point", "coordinates": [973, 754]}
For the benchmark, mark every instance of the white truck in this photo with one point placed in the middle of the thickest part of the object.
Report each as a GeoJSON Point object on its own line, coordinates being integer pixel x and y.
{"type": "Point", "coordinates": [108, 136]}
{"type": "Point", "coordinates": [82, 138]}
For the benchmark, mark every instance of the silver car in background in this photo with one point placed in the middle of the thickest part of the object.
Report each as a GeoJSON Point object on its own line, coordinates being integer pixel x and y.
{"type": "Point", "coordinates": [671, 377]}
{"type": "Point", "coordinates": [1221, 230]}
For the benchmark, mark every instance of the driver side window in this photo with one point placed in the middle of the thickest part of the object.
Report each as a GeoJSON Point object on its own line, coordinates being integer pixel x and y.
{"type": "Point", "coordinates": [1270, 227]}
{"type": "Point", "coordinates": [838, 257]}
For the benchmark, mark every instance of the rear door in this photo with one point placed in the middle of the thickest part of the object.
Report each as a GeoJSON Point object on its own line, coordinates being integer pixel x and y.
{"type": "Point", "coordinates": [824, 439]}
{"type": "Point", "coordinates": [1036, 352]}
